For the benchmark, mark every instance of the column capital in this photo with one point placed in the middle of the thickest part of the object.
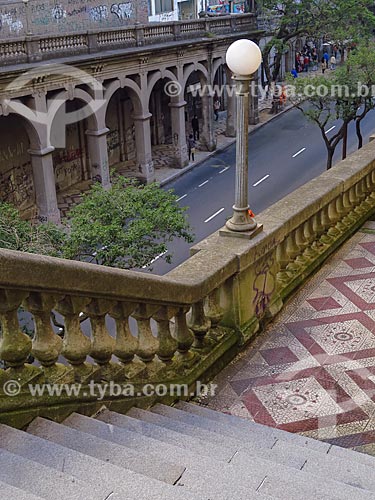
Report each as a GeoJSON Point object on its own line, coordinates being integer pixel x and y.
{"type": "Point", "coordinates": [97, 133]}
{"type": "Point", "coordinates": [142, 118]}
{"type": "Point", "coordinates": [41, 152]}
{"type": "Point", "coordinates": [179, 104]}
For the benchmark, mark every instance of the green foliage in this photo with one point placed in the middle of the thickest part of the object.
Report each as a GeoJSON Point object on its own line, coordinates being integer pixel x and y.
{"type": "Point", "coordinates": [18, 234]}
{"type": "Point", "coordinates": [342, 22]}
{"type": "Point", "coordinates": [125, 226]}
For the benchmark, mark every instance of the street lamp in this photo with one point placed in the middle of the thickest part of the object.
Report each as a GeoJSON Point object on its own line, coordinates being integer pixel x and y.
{"type": "Point", "coordinates": [243, 59]}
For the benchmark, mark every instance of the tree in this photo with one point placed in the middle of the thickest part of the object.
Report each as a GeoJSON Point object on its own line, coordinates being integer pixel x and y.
{"type": "Point", "coordinates": [361, 73]}
{"type": "Point", "coordinates": [337, 21]}
{"type": "Point", "coordinates": [18, 234]}
{"type": "Point", "coordinates": [126, 226]}
{"type": "Point", "coordinates": [323, 99]}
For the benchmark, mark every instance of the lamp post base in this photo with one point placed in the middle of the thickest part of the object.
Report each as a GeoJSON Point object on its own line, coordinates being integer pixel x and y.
{"type": "Point", "coordinates": [246, 235]}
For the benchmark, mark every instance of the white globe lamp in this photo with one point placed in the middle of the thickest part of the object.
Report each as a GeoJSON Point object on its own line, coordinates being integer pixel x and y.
{"type": "Point", "coordinates": [243, 59]}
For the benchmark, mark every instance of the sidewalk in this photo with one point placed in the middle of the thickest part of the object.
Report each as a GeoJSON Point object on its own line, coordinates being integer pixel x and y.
{"type": "Point", "coordinates": [165, 174]}
{"type": "Point", "coordinates": [312, 370]}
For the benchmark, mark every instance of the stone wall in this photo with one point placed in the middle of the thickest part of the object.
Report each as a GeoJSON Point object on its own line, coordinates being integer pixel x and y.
{"type": "Point", "coordinates": [68, 16]}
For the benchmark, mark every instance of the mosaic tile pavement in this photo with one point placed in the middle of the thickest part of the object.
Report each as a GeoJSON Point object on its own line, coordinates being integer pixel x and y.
{"type": "Point", "coordinates": [313, 370]}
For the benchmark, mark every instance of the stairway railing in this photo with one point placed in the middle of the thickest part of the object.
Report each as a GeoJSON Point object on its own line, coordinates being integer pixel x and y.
{"type": "Point", "coordinates": [181, 327]}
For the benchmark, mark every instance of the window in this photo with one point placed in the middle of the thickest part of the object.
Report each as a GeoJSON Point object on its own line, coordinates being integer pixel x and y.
{"type": "Point", "coordinates": [163, 6]}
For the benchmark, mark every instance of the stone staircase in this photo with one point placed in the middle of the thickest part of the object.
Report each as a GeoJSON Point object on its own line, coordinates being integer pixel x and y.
{"type": "Point", "coordinates": [185, 452]}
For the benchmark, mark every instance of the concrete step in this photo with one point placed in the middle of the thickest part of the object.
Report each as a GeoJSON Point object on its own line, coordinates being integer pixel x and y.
{"type": "Point", "coordinates": [283, 437]}
{"type": "Point", "coordinates": [248, 426]}
{"type": "Point", "coordinates": [307, 482]}
{"type": "Point", "coordinates": [10, 492]}
{"type": "Point", "coordinates": [142, 443]}
{"type": "Point", "coordinates": [93, 471]}
{"type": "Point", "coordinates": [115, 454]}
{"type": "Point", "coordinates": [158, 416]}
{"type": "Point", "coordinates": [192, 443]}
{"type": "Point", "coordinates": [345, 468]}
{"type": "Point", "coordinates": [45, 482]}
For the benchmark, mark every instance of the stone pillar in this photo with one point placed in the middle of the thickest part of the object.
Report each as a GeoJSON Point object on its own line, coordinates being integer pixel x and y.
{"type": "Point", "coordinates": [44, 183]}
{"type": "Point", "coordinates": [98, 156]}
{"type": "Point", "coordinates": [208, 136]}
{"type": "Point", "coordinates": [231, 109]}
{"type": "Point", "coordinates": [145, 164]}
{"type": "Point", "coordinates": [253, 103]}
{"type": "Point", "coordinates": [180, 153]}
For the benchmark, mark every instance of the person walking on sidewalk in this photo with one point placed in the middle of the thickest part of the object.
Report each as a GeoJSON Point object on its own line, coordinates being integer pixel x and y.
{"type": "Point", "coordinates": [195, 127]}
{"type": "Point", "coordinates": [191, 147]}
{"type": "Point", "coordinates": [217, 106]}
{"type": "Point", "coordinates": [333, 62]}
{"type": "Point", "coordinates": [323, 65]}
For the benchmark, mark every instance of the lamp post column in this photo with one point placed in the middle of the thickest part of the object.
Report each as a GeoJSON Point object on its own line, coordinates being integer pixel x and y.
{"type": "Point", "coordinates": [241, 220]}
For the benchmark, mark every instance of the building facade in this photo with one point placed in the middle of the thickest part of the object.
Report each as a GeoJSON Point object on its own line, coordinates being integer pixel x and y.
{"type": "Point", "coordinates": [73, 107]}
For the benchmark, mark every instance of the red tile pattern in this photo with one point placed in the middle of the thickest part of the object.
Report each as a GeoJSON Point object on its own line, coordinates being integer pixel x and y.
{"type": "Point", "coordinates": [313, 370]}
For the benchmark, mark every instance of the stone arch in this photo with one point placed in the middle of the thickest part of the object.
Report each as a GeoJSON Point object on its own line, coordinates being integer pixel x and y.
{"type": "Point", "coordinates": [17, 183]}
{"type": "Point", "coordinates": [155, 78]}
{"type": "Point", "coordinates": [94, 119]}
{"type": "Point", "coordinates": [196, 67]}
{"type": "Point", "coordinates": [123, 104]}
{"type": "Point", "coordinates": [216, 66]}
{"type": "Point", "coordinates": [133, 90]}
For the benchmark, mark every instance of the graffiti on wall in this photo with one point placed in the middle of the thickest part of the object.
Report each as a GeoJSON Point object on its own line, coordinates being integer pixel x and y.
{"type": "Point", "coordinates": [123, 11]}
{"type": "Point", "coordinates": [14, 25]}
{"type": "Point", "coordinates": [16, 186]}
{"type": "Point", "coordinates": [99, 14]}
{"type": "Point", "coordinates": [58, 13]}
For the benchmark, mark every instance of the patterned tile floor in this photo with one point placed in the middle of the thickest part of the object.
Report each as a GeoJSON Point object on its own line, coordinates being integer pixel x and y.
{"type": "Point", "coordinates": [313, 370]}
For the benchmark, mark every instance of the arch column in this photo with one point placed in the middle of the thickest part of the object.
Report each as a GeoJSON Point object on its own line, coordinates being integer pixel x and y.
{"type": "Point", "coordinates": [98, 155]}
{"type": "Point", "coordinates": [180, 152]}
{"type": "Point", "coordinates": [44, 183]}
{"type": "Point", "coordinates": [145, 165]}
{"type": "Point", "coordinates": [208, 135]}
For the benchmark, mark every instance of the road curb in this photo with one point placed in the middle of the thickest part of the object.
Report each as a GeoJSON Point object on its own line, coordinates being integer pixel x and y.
{"type": "Point", "coordinates": [189, 168]}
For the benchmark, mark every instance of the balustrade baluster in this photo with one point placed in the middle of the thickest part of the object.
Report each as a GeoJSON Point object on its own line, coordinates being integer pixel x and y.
{"type": "Point", "coordinates": [310, 252]}
{"type": "Point", "coordinates": [126, 344]}
{"type": "Point", "coordinates": [76, 346]}
{"type": "Point", "coordinates": [167, 344]}
{"type": "Point", "coordinates": [184, 337]}
{"type": "Point", "coordinates": [199, 324]}
{"type": "Point", "coordinates": [214, 312]}
{"type": "Point", "coordinates": [102, 344]}
{"type": "Point", "coordinates": [46, 346]}
{"type": "Point", "coordinates": [15, 346]}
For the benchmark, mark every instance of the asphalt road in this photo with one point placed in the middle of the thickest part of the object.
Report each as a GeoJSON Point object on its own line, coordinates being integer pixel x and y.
{"type": "Point", "coordinates": [283, 155]}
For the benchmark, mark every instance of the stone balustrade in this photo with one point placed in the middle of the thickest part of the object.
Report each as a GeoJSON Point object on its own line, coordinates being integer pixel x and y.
{"type": "Point", "coordinates": [184, 326]}
{"type": "Point", "coordinates": [37, 48]}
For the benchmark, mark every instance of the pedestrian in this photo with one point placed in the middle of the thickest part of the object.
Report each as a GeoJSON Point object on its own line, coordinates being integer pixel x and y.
{"type": "Point", "coordinates": [323, 65]}
{"type": "Point", "coordinates": [294, 73]}
{"type": "Point", "coordinates": [326, 58]}
{"type": "Point", "coordinates": [191, 147]}
{"type": "Point", "coordinates": [333, 62]}
{"type": "Point", "coordinates": [306, 63]}
{"type": "Point", "coordinates": [217, 106]}
{"type": "Point", "coordinates": [195, 127]}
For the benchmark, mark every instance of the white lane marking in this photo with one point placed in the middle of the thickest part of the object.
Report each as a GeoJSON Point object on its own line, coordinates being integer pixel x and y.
{"type": "Point", "coordinates": [155, 259]}
{"type": "Point", "coordinates": [181, 197]}
{"type": "Point", "coordinates": [203, 183]}
{"type": "Point", "coordinates": [299, 152]}
{"type": "Point", "coordinates": [214, 215]}
{"type": "Point", "coordinates": [224, 170]}
{"type": "Point", "coordinates": [261, 180]}
{"type": "Point", "coordinates": [330, 129]}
